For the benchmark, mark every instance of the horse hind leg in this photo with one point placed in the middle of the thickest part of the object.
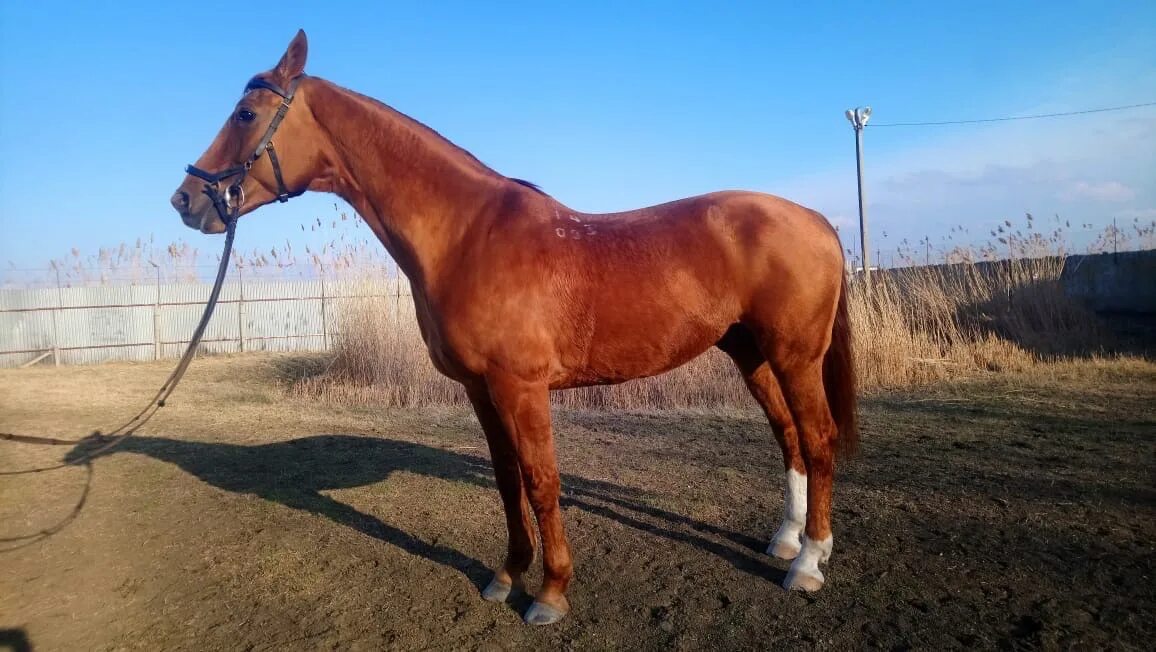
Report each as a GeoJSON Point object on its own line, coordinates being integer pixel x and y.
{"type": "Point", "coordinates": [740, 345]}
{"type": "Point", "coordinates": [803, 389]}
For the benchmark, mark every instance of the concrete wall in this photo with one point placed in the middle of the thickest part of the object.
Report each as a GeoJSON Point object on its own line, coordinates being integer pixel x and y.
{"type": "Point", "coordinates": [1107, 283]}
{"type": "Point", "coordinates": [1121, 283]}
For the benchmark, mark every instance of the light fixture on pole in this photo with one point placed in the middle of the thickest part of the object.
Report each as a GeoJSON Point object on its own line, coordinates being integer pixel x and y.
{"type": "Point", "coordinates": [858, 118]}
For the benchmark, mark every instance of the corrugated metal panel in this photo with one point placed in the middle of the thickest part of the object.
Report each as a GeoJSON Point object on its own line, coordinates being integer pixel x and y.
{"type": "Point", "coordinates": [138, 322]}
{"type": "Point", "coordinates": [23, 331]}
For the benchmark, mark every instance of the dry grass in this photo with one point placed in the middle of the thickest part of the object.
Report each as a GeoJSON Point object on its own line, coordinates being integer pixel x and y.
{"type": "Point", "coordinates": [912, 326]}
{"type": "Point", "coordinates": [921, 324]}
{"type": "Point", "coordinates": [346, 251]}
{"type": "Point", "coordinates": [379, 358]}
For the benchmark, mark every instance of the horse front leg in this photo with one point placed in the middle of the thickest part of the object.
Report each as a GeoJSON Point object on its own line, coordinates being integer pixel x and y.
{"type": "Point", "coordinates": [524, 407]}
{"type": "Point", "coordinates": [508, 474]}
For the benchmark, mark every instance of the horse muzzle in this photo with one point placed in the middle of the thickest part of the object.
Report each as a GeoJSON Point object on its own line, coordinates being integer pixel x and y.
{"type": "Point", "coordinates": [197, 212]}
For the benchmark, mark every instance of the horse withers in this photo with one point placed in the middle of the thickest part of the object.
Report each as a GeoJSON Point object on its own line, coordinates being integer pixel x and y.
{"type": "Point", "coordinates": [517, 295]}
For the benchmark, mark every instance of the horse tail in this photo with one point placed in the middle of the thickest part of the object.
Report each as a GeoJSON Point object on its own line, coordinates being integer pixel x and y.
{"type": "Point", "coordinates": [839, 378]}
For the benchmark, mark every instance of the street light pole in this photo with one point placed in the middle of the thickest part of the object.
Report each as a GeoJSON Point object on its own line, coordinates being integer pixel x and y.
{"type": "Point", "coordinates": [858, 118]}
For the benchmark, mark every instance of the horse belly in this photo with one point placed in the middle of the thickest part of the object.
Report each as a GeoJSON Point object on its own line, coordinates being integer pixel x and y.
{"type": "Point", "coordinates": [642, 342]}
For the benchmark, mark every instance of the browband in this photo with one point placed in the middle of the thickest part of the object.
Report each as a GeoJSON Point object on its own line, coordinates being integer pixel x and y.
{"type": "Point", "coordinates": [260, 82]}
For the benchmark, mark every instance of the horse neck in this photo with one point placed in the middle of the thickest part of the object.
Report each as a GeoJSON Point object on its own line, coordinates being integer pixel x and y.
{"type": "Point", "coordinates": [419, 193]}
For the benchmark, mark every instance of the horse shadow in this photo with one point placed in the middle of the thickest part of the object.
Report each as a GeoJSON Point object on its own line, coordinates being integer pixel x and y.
{"type": "Point", "coordinates": [15, 640]}
{"type": "Point", "coordinates": [296, 472]}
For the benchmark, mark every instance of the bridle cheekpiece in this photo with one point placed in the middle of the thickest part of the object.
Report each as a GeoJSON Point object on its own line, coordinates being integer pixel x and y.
{"type": "Point", "coordinates": [229, 203]}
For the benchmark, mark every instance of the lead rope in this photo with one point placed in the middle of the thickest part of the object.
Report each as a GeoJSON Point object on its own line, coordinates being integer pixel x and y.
{"type": "Point", "coordinates": [132, 425]}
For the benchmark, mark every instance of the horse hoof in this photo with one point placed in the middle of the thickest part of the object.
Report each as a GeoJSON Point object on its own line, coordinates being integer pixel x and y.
{"type": "Point", "coordinates": [541, 613]}
{"type": "Point", "coordinates": [784, 550]}
{"type": "Point", "coordinates": [799, 581]}
{"type": "Point", "coordinates": [496, 591]}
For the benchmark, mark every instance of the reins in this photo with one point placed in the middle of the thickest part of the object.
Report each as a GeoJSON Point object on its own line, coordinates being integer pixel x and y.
{"type": "Point", "coordinates": [126, 430]}
{"type": "Point", "coordinates": [119, 435]}
{"type": "Point", "coordinates": [228, 206]}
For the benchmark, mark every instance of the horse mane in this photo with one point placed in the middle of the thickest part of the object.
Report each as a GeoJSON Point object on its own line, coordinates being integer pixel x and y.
{"type": "Point", "coordinates": [529, 184]}
{"type": "Point", "coordinates": [433, 132]}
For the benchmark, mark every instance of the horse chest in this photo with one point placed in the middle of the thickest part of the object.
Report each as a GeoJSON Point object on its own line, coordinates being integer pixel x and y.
{"type": "Point", "coordinates": [446, 358]}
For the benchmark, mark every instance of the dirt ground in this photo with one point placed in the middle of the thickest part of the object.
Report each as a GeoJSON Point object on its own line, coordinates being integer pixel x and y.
{"type": "Point", "coordinates": [1008, 512]}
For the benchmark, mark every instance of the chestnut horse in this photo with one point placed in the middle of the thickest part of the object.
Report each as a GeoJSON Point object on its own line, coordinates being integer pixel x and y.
{"type": "Point", "coordinates": [517, 295]}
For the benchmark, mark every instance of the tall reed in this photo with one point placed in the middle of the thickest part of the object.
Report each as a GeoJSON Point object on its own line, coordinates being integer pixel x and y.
{"type": "Point", "coordinates": [911, 326]}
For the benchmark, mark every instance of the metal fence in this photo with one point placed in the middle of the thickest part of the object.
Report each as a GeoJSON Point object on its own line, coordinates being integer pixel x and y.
{"type": "Point", "coordinates": [78, 325]}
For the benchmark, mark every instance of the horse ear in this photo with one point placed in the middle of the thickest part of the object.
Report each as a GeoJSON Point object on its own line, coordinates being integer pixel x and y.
{"type": "Point", "coordinates": [292, 63]}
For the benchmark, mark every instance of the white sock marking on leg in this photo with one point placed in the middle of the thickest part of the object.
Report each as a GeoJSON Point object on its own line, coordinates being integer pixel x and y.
{"type": "Point", "coordinates": [807, 563]}
{"type": "Point", "coordinates": [790, 533]}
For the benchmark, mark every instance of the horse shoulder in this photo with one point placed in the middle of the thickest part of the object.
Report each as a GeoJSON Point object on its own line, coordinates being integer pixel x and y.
{"type": "Point", "coordinates": [502, 300]}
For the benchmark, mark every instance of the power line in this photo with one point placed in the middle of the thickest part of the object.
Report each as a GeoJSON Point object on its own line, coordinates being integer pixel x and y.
{"type": "Point", "coordinates": [1010, 118]}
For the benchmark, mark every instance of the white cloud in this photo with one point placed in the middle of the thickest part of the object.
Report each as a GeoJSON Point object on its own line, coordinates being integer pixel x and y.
{"type": "Point", "coordinates": [1105, 191]}
{"type": "Point", "coordinates": [973, 179]}
{"type": "Point", "coordinates": [842, 221]}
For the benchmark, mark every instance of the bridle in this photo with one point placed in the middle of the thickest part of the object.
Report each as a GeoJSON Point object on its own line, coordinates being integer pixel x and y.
{"type": "Point", "coordinates": [229, 203]}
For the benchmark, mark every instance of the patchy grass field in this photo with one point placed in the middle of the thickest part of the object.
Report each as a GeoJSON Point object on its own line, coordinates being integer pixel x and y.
{"type": "Point", "coordinates": [1017, 511]}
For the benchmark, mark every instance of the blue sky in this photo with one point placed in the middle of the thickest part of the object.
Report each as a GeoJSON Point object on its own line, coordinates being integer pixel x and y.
{"type": "Point", "coordinates": [607, 107]}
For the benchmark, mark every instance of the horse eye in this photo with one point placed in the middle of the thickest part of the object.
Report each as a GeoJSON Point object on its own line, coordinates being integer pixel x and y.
{"type": "Point", "coordinates": [245, 115]}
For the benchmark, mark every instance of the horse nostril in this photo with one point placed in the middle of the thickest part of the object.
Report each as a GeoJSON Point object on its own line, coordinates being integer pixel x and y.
{"type": "Point", "coordinates": [180, 200]}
